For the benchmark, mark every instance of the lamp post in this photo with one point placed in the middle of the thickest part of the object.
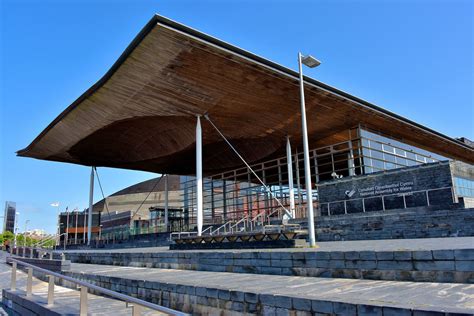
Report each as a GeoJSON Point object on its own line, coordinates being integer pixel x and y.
{"type": "Point", "coordinates": [24, 234]}
{"type": "Point", "coordinates": [15, 230]}
{"type": "Point", "coordinates": [311, 62]}
{"type": "Point", "coordinates": [56, 204]}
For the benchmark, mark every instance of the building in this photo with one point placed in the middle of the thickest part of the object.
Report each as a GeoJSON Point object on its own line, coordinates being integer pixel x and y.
{"type": "Point", "coordinates": [132, 210]}
{"type": "Point", "coordinates": [73, 226]}
{"type": "Point", "coordinates": [9, 219]}
{"type": "Point", "coordinates": [229, 123]}
{"type": "Point", "coordinates": [136, 207]}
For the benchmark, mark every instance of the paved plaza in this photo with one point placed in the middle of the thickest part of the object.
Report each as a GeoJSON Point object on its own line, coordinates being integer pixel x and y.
{"type": "Point", "coordinates": [288, 291]}
{"type": "Point", "coordinates": [354, 245]}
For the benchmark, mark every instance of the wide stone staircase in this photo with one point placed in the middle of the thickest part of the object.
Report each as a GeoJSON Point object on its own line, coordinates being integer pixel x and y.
{"type": "Point", "coordinates": [386, 277]}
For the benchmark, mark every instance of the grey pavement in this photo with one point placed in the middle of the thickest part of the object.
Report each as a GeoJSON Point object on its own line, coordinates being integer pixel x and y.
{"type": "Point", "coordinates": [447, 297]}
{"type": "Point", "coordinates": [354, 245]}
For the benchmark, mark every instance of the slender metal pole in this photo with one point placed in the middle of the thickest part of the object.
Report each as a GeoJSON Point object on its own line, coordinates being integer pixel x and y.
{"type": "Point", "coordinates": [91, 201]}
{"type": "Point", "coordinates": [83, 301]}
{"type": "Point", "coordinates": [307, 167]}
{"type": "Point", "coordinates": [75, 235]}
{"type": "Point", "coordinates": [84, 230]}
{"type": "Point", "coordinates": [166, 202]}
{"type": "Point", "coordinates": [290, 176]}
{"type": "Point", "coordinates": [50, 289]}
{"type": "Point", "coordinates": [199, 199]}
{"type": "Point", "coordinates": [136, 310]}
{"type": "Point", "coordinates": [66, 237]}
{"type": "Point", "coordinates": [29, 281]}
{"type": "Point", "coordinates": [13, 280]}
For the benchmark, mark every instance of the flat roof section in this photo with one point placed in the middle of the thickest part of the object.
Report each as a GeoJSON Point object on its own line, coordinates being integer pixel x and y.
{"type": "Point", "coordinates": [141, 115]}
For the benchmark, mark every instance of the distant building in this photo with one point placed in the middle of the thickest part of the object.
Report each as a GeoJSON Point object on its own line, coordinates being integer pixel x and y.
{"type": "Point", "coordinates": [36, 233]}
{"type": "Point", "coordinates": [135, 207]}
{"type": "Point", "coordinates": [9, 219]}
{"type": "Point", "coordinates": [75, 224]}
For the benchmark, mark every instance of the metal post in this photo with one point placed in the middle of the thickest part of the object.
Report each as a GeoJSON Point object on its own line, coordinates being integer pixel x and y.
{"type": "Point", "coordinates": [307, 167]}
{"type": "Point", "coordinates": [51, 290]}
{"type": "Point", "coordinates": [13, 280]}
{"type": "Point", "coordinates": [199, 198]}
{"type": "Point", "coordinates": [298, 182]}
{"type": "Point", "coordinates": [66, 237]}
{"type": "Point", "coordinates": [91, 201]}
{"type": "Point", "coordinates": [83, 302]}
{"type": "Point", "coordinates": [84, 230]}
{"type": "Point", "coordinates": [75, 234]}
{"type": "Point", "coordinates": [136, 310]}
{"type": "Point", "coordinates": [29, 281]}
{"type": "Point", "coordinates": [290, 176]}
{"type": "Point", "coordinates": [166, 202]}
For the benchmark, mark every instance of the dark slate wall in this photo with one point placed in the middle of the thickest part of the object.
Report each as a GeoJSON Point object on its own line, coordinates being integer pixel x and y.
{"type": "Point", "coordinates": [346, 194]}
{"type": "Point", "coordinates": [418, 222]}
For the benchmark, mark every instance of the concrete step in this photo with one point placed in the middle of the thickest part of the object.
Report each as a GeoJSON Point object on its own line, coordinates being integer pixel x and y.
{"type": "Point", "coordinates": [449, 260]}
{"type": "Point", "coordinates": [210, 293]}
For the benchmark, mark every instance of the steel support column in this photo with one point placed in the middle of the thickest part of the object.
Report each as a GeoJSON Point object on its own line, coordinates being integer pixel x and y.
{"type": "Point", "coordinates": [307, 166]}
{"type": "Point", "coordinates": [290, 176]}
{"type": "Point", "coordinates": [166, 203]}
{"type": "Point", "coordinates": [199, 198]}
{"type": "Point", "coordinates": [91, 202]}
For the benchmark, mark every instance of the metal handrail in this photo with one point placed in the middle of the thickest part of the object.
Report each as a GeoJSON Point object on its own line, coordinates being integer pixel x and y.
{"type": "Point", "coordinates": [220, 227]}
{"type": "Point", "coordinates": [207, 229]}
{"type": "Point", "coordinates": [87, 285]}
{"type": "Point", "coordinates": [231, 227]}
{"type": "Point", "coordinates": [267, 216]}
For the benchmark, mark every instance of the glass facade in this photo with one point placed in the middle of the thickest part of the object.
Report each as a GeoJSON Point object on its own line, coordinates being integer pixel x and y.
{"type": "Point", "coordinates": [464, 187]}
{"type": "Point", "coordinates": [238, 193]}
{"type": "Point", "coordinates": [383, 153]}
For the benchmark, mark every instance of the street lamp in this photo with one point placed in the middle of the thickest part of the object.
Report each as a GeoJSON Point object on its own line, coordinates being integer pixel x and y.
{"type": "Point", "coordinates": [15, 229]}
{"type": "Point", "coordinates": [310, 62]}
{"type": "Point", "coordinates": [24, 234]}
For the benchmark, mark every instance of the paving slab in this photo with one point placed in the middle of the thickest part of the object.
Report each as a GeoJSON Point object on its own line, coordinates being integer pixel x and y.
{"type": "Point", "coordinates": [433, 297]}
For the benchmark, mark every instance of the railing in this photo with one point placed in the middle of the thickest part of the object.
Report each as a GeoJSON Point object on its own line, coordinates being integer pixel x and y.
{"type": "Point", "coordinates": [178, 235]}
{"type": "Point", "coordinates": [137, 306]}
{"type": "Point", "coordinates": [383, 198]}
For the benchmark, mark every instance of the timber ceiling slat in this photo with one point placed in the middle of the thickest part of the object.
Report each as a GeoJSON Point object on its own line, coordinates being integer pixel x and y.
{"type": "Point", "coordinates": [143, 116]}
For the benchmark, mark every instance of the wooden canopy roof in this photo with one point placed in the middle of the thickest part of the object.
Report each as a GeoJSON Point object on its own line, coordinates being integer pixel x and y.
{"type": "Point", "coordinates": [142, 114]}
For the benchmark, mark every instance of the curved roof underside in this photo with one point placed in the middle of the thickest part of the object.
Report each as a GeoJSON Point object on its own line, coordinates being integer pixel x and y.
{"type": "Point", "coordinates": [142, 114]}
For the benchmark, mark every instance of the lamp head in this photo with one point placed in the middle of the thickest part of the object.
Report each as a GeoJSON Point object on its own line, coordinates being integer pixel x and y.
{"type": "Point", "coordinates": [310, 61]}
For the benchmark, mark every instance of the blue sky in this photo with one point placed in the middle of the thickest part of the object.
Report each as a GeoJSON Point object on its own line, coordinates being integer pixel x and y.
{"type": "Point", "coordinates": [414, 58]}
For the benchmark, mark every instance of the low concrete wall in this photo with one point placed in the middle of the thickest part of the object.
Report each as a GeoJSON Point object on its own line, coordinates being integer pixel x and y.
{"type": "Point", "coordinates": [452, 266]}
{"type": "Point", "coordinates": [48, 264]}
{"type": "Point", "coordinates": [134, 241]}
